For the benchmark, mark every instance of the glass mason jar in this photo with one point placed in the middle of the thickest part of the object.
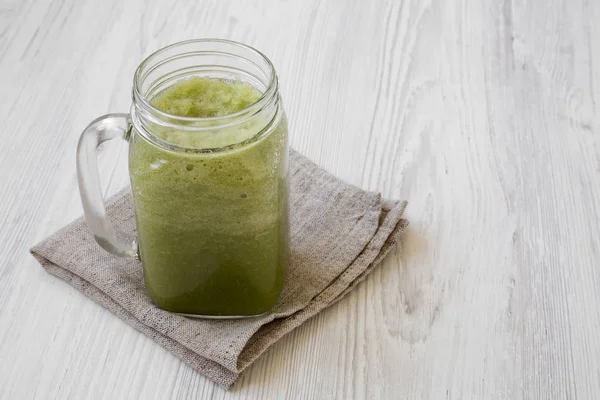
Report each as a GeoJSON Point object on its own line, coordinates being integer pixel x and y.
{"type": "Point", "coordinates": [210, 195]}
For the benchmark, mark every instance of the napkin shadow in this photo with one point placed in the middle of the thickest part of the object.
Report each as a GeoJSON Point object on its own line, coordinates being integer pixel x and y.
{"type": "Point", "coordinates": [411, 245]}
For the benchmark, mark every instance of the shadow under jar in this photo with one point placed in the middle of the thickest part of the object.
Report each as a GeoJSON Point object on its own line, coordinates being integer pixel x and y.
{"type": "Point", "coordinates": [208, 163]}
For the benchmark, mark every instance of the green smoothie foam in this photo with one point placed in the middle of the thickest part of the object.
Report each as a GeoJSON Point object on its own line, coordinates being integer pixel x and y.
{"type": "Point", "coordinates": [212, 227]}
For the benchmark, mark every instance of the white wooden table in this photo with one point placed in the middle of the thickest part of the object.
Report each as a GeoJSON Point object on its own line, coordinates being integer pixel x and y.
{"type": "Point", "coordinates": [483, 114]}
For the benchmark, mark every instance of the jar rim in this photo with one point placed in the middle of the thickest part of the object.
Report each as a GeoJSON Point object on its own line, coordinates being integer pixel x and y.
{"type": "Point", "coordinates": [139, 97]}
{"type": "Point", "coordinates": [143, 113]}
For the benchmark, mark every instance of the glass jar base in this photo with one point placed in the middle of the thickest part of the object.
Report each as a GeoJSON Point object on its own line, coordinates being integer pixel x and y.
{"type": "Point", "coordinates": [198, 316]}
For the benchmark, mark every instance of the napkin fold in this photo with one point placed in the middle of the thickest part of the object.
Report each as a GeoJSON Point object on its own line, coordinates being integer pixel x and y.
{"type": "Point", "coordinates": [339, 233]}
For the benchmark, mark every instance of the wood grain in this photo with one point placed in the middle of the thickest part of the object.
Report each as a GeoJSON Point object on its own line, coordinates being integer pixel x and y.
{"type": "Point", "coordinates": [483, 114]}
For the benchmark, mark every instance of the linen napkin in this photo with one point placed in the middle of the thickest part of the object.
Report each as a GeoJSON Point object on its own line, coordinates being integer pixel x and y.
{"type": "Point", "coordinates": [339, 233]}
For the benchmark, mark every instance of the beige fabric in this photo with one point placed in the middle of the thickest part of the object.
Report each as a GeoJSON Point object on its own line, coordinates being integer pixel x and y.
{"type": "Point", "coordinates": [339, 233]}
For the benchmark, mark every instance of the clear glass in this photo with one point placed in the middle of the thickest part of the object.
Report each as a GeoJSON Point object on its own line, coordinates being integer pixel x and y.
{"type": "Point", "coordinates": [210, 195]}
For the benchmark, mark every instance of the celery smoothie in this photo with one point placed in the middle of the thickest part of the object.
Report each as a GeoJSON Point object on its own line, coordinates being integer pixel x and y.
{"type": "Point", "coordinates": [212, 225]}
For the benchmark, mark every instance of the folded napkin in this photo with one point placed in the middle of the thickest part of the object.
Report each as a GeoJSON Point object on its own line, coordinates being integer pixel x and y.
{"type": "Point", "coordinates": [339, 233]}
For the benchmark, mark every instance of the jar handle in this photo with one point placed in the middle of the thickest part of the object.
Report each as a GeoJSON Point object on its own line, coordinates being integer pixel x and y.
{"type": "Point", "coordinates": [102, 129]}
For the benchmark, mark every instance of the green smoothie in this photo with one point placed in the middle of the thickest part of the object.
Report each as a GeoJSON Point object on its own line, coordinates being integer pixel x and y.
{"type": "Point", "coordinates": [212, 226]}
